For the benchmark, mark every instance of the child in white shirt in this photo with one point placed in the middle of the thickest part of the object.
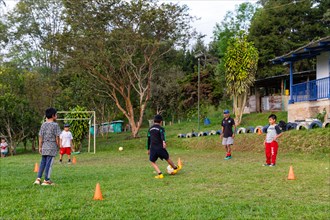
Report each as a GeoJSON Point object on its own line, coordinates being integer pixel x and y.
{"type": "Point", "coordinates": [66, 143]}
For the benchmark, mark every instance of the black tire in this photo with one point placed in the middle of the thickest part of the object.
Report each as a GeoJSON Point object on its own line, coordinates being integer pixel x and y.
{"type": "Point", "coordinates": [315, 124]}
{"type": "Point", "coordinates": [250, 129]}
{"type": "Point", "coordinates": [291, 126]}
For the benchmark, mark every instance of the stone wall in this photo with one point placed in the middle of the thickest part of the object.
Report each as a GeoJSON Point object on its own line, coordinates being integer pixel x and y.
{"type": "Point", "coordinates": [306, 110]}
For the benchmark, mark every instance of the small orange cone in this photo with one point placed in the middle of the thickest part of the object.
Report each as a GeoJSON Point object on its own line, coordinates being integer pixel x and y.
{"type": "Point", "coordinates": [179, 162]}
{"type": "Point", "coordinates": [291, 174]}
{"type": "Point", "coordinates": [98, 194]}
{"type": "Point", "coordinates": [36, 168]}
{"type": "Point", "coordinates": [74, 160]}
{"type": "Point", "coordinates": [259, 131]}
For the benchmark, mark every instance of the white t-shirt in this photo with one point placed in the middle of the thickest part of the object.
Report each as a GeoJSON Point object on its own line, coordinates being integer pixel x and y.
{"type": "Point", "coordinates": [4, 147]}
{"type": "Point", "coordinates": [66, 138]}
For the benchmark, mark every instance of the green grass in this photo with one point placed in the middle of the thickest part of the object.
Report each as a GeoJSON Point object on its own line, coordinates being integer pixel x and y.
{"type": "Point", "coordinates": [208, 187]}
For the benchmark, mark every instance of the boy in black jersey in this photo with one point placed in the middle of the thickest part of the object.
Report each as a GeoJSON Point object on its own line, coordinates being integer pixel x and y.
{"type": "Point", "coordinates": [227, 133]}
{"type": "Point", "coordinates": [156, 146]}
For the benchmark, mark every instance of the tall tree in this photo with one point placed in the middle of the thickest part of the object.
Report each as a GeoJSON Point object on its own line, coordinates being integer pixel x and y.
{"type": "Point", "coordinates": [17, 118]}
{"type": "Point", "coordinates": [241, 60]}
{"type": "Point", "coordinates": [284, 25]}
{"type": "Point", "coordinates": [233, 23]}
{"type": "Point", "coordinates": [120, 43]}
{"type": "Point", "coordinates": [32, 33]}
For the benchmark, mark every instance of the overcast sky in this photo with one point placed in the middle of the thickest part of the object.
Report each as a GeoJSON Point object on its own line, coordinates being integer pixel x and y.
{"type": "Point", "coordinates": [210, 12]}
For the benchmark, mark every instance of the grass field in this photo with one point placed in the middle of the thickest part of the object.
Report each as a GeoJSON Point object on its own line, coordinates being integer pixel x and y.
{"type": "Point", "coordinates": [208, 187]}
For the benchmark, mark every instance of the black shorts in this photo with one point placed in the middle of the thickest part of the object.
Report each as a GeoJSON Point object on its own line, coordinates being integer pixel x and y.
{"type": "Point", "coordinates": [158, 153]}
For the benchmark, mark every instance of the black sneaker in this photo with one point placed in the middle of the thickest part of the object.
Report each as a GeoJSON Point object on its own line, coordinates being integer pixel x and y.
{"type": "Point", "coordinates": [272, 165]}
{"type": "Point", "coordinates": [266, 165]}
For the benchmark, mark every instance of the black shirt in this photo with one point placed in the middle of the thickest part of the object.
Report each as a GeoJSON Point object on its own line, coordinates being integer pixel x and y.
{"type": "Point", "coordinates": [156, 136]}
{"type": "Point", "coordinates": [227, 125]}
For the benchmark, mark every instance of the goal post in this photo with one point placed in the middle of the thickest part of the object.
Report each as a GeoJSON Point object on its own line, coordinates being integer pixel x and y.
{"type": "Point", "coordinates": [92, 117]}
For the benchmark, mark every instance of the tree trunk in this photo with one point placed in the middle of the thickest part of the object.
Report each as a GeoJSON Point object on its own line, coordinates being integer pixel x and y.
{"type": "Point", "coordinates": [33, 140]}
{"type": "Point", "coordinates": [239, 105]}
{"type": "Point", "coordinates": [235, 108]}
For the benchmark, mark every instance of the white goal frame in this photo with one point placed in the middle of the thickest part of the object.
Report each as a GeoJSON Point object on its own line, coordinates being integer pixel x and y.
{"type": "Point", "coordinates": [92, 116]}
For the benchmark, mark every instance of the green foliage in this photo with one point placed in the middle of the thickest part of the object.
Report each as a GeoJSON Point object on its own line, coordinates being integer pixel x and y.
{"type": "Point", "coordinates": [132, 39]}
{"type": "Point", "coordinates": [231, 26]}
{"type": "Point", "coordinates": [241, 62]}
{"type": "Point", "coordinates": [79, 128]}
{"type": "Point", "coordinates": [320, 116]}
{"type": "Point", "coordinates": [19, 120]}
{"type": "Point", "coordinates": [210, 91]}
{"type": "Point", "coordinates": [281, 26]}
{"type": "Point", "coordinates": [35, 25]}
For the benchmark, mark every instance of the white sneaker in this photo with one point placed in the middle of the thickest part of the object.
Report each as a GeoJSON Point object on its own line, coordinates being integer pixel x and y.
{"type": "Point", "coordinates": [37, 182]}
{"type": "Point", "coordinates": [47, 183]}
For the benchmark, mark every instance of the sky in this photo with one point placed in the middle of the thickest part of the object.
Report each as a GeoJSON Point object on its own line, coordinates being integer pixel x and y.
{"type": "Point", "coordinates": [210, 12]}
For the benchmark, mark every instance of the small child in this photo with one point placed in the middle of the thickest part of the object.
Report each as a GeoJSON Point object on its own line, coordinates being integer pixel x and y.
{"type": "Point", "coordinates": [4, 147]}
{"type": "Point", "coordinates": [66, 143]}
{"type": "Point", "coordinates": [49, 141]}
{"type": "Point", "coordinates": [271, 145]}
{"type": "Point", "coordinates": [156, 146]}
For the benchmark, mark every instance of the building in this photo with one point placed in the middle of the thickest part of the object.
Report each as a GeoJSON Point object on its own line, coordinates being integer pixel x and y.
{"type": "Point", "coordinates": [310, 97]}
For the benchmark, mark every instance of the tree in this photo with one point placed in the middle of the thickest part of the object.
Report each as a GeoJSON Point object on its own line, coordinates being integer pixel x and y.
{"type": "Point", "coordinates": [232, 24]}
{"type": "Point", "coordinates": [17, 118]}
{"type": "Point", "coordinates": [120, 44]}
{"type": "Point", "coordinates": [166, 91]}
{"type": "Point", "coordinates": [281, 26]}
{"type": "Point", "coordinates": [79, 128]}
{"type": "Point", "coordinates": [33, 26]}
{"type": "Point", "coordinates": [241, 60]}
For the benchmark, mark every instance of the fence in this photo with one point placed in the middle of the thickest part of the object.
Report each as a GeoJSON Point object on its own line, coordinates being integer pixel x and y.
{"type": "Point", "coordinates": [311, 90]}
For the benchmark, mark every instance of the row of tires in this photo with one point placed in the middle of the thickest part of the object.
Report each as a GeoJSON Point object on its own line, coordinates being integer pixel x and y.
{"type": "Point", "coordinates": [261, 129]}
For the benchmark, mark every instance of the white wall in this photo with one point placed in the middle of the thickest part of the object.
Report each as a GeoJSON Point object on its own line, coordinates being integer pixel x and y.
{"type": "Point", "coordinates": [323, 65]}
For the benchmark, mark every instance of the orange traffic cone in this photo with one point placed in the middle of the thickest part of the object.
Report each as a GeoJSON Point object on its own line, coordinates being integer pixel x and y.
{"type": "Point", "coordinates": [259, 131]}
{"type": "Point", "coordinates": [179, 162]}
{"type": "Point", "coordinates": [291, 174]}
{"type": "Point", "coordinates": [74, 160]}
{"type": "Point", "coordinates": [98, 194]}
{"type": "Point", "coordinates": [36, 168]}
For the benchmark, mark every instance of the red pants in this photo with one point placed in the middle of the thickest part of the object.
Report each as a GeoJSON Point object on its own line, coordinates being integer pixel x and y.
{"type": "Point", "coordinates": [271, 152]}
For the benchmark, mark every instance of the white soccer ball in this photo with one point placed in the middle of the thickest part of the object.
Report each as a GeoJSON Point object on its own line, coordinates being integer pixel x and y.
{"type": "Point", "coordinates": [170, 170]}
{"type": "Point", "coordinates": [120, 148]}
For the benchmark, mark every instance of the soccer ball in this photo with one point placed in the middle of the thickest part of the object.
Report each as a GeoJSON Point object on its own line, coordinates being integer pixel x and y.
{"type": "Point", "coordinates": [170, 170]}
{"type": "Point", "coordinates": [120, 148]}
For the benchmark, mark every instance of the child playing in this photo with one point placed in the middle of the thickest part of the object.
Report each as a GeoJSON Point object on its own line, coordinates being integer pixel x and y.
{"type": "Point", "coordinates": [227, 133]}
{"type": "Point", "coordinates": [271, 145]}
{"type": "Point", "coordinates": [156, 146]}
{"type": "Point", "coordinates": [48, 144]}
{"type": "Point", "coordinates": [4, 148]}
{"type": "Point", "coordinates": [66, 143]}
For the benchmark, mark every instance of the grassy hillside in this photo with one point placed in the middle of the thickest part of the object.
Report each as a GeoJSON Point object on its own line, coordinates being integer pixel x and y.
{"type": "Point", "coordinates": [309, 141]}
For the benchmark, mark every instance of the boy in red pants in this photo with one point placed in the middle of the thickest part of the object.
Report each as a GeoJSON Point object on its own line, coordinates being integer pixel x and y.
{"type": "Point", "coordinates": [271, 145]}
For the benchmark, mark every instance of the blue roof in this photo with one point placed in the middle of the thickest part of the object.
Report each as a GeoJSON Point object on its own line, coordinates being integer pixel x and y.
{"type": "Point", "coordinates": [308, 51]}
